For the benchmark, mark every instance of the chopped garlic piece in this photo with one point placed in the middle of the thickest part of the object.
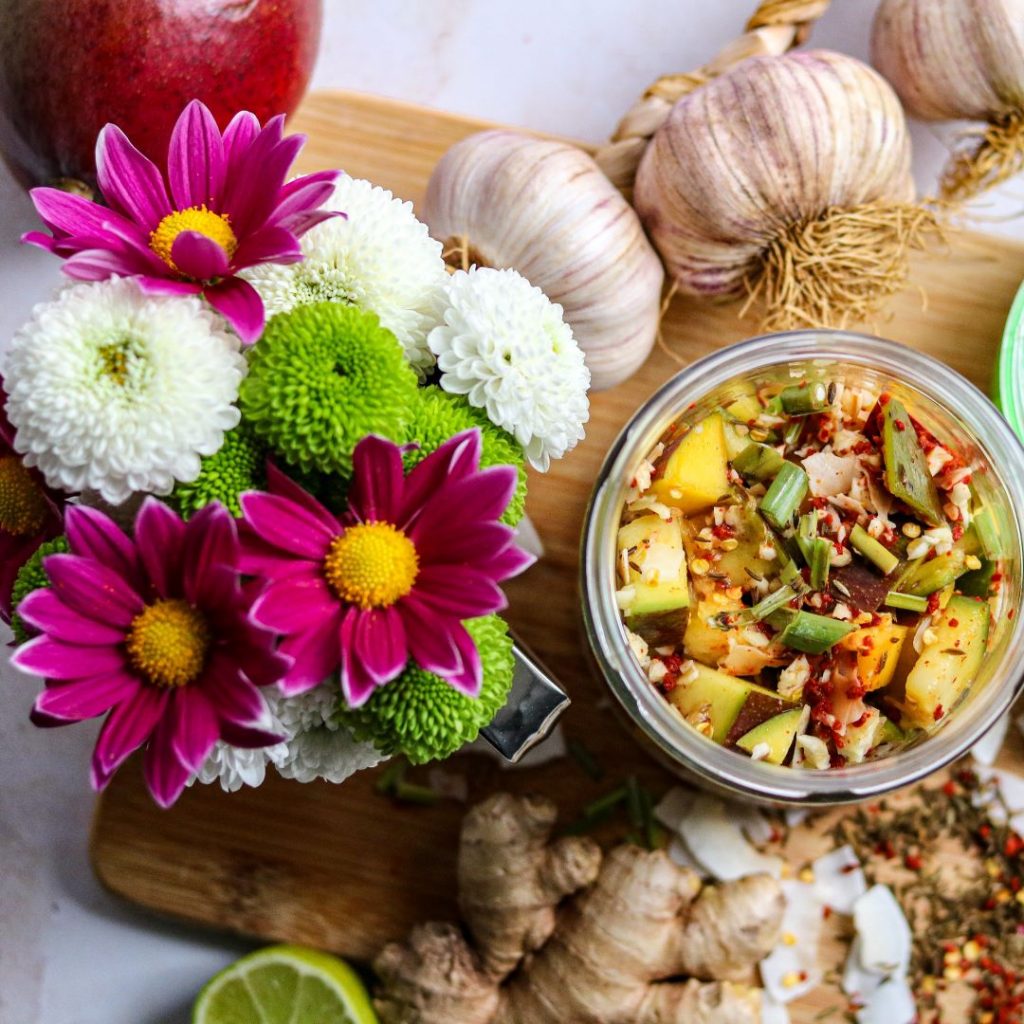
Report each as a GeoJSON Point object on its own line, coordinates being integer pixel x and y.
{"type": "Point", "coordinates": [657, 671]}
{"type": "Point", "coordinates": [638, 645]}
{"type": "Point", "coordinates": [793, 678]}
{"type": "Point", "coordinates": [937, 457]}
{"type": "Point", "coordinates": [760, 751]}
{"type": "Point", "coordinates": [814, 753]}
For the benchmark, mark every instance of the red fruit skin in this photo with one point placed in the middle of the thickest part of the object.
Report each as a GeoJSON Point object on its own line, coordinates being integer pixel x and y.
{"type": "Point", "coordinates": [67, 67]}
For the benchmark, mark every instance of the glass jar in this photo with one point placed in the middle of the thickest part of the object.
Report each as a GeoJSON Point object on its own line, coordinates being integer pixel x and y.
{"type": "Point", "coordinates": [948, 405]}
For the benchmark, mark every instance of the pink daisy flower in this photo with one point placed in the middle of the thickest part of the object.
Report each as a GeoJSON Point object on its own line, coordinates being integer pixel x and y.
{"type": "Point", "coordinates": [153, 632]}
{"type": "Point", "coordinates": [30, 512]}
{"type": "Point", "coordinates": [229, 207]}
{"type": "Point", "coordinates": [393, 579]}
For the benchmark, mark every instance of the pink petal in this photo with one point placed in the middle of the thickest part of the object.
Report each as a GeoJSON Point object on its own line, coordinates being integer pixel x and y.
{"type": "Point", "coordinates": [469, 678]}
{"type": "Point", "coordinates": [357, 684]}
{"type": "Point", "coordinates": [236, 699]}
{"type": "Point", "coordinates": [167, 286]}
{"type": "Point", "coordinates": [377, 480]}
{"type": "Point", "coordinates": [74, 215]}
{"type": "Point", "coordinates": [268, 245]}
{"type": "Point", "coordinates": [99, 264]}
{"type": "Point", "coordinates": [44, 610]}
{"type": "Point", "coordinates": [316, 656]}
{"type": "Point", "coordinates": [258, 558]}
{"type": "Point", "coordinates": [255, 657]}
{"type": "Point", "coordinates": [506, 564]}
{"type": "Point", "coordinates": [480, 497]}
{"type": "Point", "coordinates": [127, 727]}
{"type": "Point", "coordinates": [199, 257]}
{"type": "Point", "coordinates": [251, 194]}
{"type": "Point", "coordinates": [195, 159]}
{"type": "Point", "coordinates": [299, 223]}
{"type": "Point", "coordinates": [456, 458]}
{"type": "Point", "coordinates": [95, 535]}
{"type": "Point", "coordinates": [195, 727]}
{"type": "Point", "coordinates": [283, 485]}
{"type": "Point", "coordinates": [210, 541]}
{"type": "Point", "coordinates": [475, 544]}
{"type": "Point", "coordinates": [240, 304]}
{"type": "Point", "coordinates": [40, 239]}
{"type": "Point", "coordinates": [159, 536]}
{"type": "Point", "coordinates": [92, 589]}
{"type": "Point", "coordinates": [458, 591]}
{"type": "Point", "coordinates": [302, 182]}
{"type": "Point", "coordinates": [429, 637]}
{"type": "Point", "coordinates": [287, 525]}
{"type": "Point", "coordinates": [165, 775]}
{"type": "Point", "coordinates": [295, 605]}
{"type": "Point", "coordinates": [129, 181]}
{"type": "Point", "coordinates": [239, 135]}
{"type": "Point", "coordinates": [87, 698]}
{"type": "Point", "coordinates": [303, 195]}
{"type": "Point", "coordinates": [380, 643]}
{"type": "Point", "coordinates": [246, 737]}
{"type": "Point", "coordinates": [56, 660]}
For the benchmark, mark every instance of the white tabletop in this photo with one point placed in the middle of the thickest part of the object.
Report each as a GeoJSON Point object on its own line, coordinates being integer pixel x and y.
{"type": "Point", "coordinates": [70, 953]}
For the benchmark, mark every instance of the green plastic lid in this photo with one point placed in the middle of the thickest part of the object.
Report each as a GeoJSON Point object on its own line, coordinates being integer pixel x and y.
{"type": "Point", "coordinates": [1008, 382]}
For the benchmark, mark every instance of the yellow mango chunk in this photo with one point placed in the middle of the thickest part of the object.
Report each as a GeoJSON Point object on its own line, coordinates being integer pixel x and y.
{"type": "Point", "coordinates": [878, 651]}
{"type": "Point", "coordinates": [694, 473]}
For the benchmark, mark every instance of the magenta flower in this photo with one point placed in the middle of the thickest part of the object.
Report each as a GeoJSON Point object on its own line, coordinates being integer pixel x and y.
{"type": "Point", "coordinates": [229, 208]}
{"type": "Point", "coordinates": [413, 557]}
{"type": "Point", "coordinates": [153, 632]}
{"type": "Point", "coordinates": [30, 512]}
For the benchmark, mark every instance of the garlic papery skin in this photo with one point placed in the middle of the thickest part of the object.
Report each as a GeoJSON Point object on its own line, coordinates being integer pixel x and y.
{"type": "Point", "coordinates": [954, 60]}
{"type": "Point", "coordinates": [507, 200]}
{"type": "Point", "coordinates": [791, 169]}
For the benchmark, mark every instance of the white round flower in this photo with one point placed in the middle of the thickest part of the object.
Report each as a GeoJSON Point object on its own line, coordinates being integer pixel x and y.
{"type": "Point", "coordinates": [234, 767]}
{"type": "Point", "coordinates": [378, 257]}
{"type": "Point", "coordinates": [115, 391]}
{"type": "Point", "coordinates": [505, 346]}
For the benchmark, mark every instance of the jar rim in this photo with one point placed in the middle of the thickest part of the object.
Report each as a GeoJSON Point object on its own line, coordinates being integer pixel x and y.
{"type": "Point", "coordinates": [606, 634]}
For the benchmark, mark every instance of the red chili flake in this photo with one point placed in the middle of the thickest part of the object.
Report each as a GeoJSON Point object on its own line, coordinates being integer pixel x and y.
{"type": "Point", "coordinates": [848, 869]}
{"type": "Point", "coordinates": [949, 788]}
{"type": "Point", "coordinates": [803, 975]}
{"type": "Point", "coordinates": [884, 398]}
{"type": "Point", "coordinates": [933, 603]}
{"type": "Point", "coordinates": [996, 577]}
{"type": "Point", "coordinates": [985, 831]}
{"type": "Point", "coordinates": [669, 683]}
{"type": "Point", "coordinates": [826, 912]}
{"type": "Point", "coordinates": [913, 862]}
{"type": "Point", "coordinates": [938, 712]}
{"type": "Point", "coordinates": [723, 531]}
{"type": "Point", "coordinates": [899, 425]}
{"type": "Point", "coordinates": [954, 623]}
{"type": "Point", "coordinates": [692, 405]}
{"type": "Point", "coordinates": [1011, 613]}
{"type": "Point", "coordinates": [860, 721]}
{"type": "Point", "coordinates": [958, 531]}
{"type": "Point", "coordinates": [1014, 844]}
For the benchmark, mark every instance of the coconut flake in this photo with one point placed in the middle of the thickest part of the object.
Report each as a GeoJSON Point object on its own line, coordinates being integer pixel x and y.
{"type": "Point", "coordinates": [791, 969]}
{"type": "Point", "coordinates": [679, 854]}
{"type": "Point", "coordinates": [773, 1012]}
{"type": "Point", "coordinates": [839, 879]}
{"type": "Point", "coordinates": [811, 753]}
{"type": "Point", "coordinates": [892, 1003]}
{"type": "Point", "coordinates": [712, 834]}
{"type": "Point", "coordinates": [883, 930]}
{"type": "Point", "coordinates": [858, 982]}
{"type": "Point", "coordinates": [796, 816]}
{"type": "Point", "coordinates": [757, 828]}
{"type": "Point", "coordinates": [830, 474]}
{"type": "Point", "coordinates": [673, 807]}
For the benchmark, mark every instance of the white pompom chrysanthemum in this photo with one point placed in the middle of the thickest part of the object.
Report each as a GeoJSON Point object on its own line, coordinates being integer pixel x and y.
{"type": "Point", "coordinates": [378, 257]}
{"type": "Point", "coordinates": [118, 392]}
{"type": "Point", "coordinates": [315, 745]}
{"type": "Point", "coordinates": [505, 346]}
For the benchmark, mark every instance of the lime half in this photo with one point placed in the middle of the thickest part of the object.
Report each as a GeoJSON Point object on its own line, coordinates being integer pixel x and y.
{"type": "Point", "coordinates": [285, 985]}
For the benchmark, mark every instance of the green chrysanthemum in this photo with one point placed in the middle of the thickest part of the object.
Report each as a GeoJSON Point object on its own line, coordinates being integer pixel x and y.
{"type": "Point", "coordinates": [236, 468]}
{"type": "Point", "coordinates": [32, 576]}
{"type": "Point", "coordinates": [437, 416]}
{"type": "Point", "coordinates": [320, 379]}
{"type": "Point", "coordinates": [423, 717]}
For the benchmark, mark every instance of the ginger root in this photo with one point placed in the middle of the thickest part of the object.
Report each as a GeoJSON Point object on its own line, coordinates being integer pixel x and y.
{"type": "Point", "coordinates": [636, 920]}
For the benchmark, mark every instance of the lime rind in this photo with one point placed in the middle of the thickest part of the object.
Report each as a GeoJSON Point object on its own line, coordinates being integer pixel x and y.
{"type": "Point", "coordinates": [1008, 383]}
{"type": "Point", "coordinates": [285, 985]}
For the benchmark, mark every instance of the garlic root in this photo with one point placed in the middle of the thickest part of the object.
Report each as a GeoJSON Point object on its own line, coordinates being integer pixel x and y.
{"type": "Point", "coordinates": [786, 179]}
{"type": "Point", "coordinates": [951, 60]}
{"type": "Point", "coordinates": [505, 199]}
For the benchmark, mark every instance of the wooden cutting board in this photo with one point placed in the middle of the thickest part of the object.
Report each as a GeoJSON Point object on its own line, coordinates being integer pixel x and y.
{"type": "Point", "coordinates": [341, 867]}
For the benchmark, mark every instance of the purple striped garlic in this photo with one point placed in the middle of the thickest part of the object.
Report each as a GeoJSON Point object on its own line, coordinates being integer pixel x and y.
{"type": "Point", "coordinates": [505, 199]}
{"type": "Point", "coordinates": [787, 179]}
{"type": "Point", "coordinates": [952, 60]}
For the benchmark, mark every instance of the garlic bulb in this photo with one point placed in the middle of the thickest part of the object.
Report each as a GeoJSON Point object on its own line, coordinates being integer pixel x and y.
{"type": "Point", "coordinates": [960, 60]}
{"type": "Point", "coordinates": [787, 178]}
{"type": "Point", "coordinates": [506, 200]}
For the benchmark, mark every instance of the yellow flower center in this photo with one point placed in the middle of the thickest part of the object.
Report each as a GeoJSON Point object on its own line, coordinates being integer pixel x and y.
{"type": "Point", "coordinates": [22, 503]}
{"type": "Point", "coordinates": [168, 642]}
{"type": "Point", "coordinates": [216, 227]}
{"type": "Point", "coordinates": [372, 565]}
